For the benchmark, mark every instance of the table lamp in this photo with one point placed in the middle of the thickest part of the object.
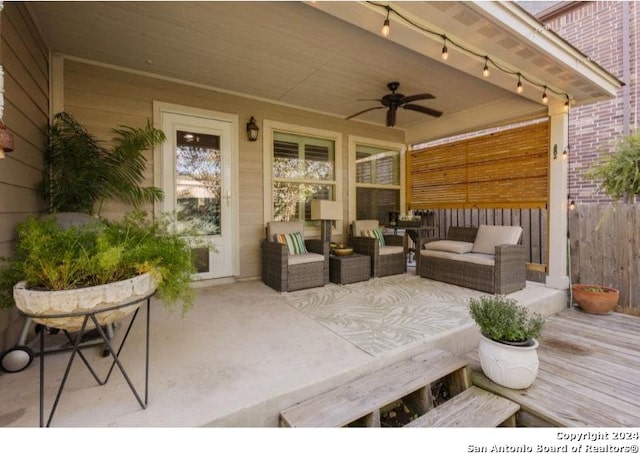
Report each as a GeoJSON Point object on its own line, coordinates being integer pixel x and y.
{"type": "Point", "coordinates": [326, 211]}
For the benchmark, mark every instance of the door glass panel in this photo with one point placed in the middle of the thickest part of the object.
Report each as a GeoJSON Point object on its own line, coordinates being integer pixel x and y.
{"type": "Point", "coordinates": [198, 183]}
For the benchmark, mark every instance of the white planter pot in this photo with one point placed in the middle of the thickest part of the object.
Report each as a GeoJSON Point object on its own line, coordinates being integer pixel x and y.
{"type": "Point", "coordinates": [39, 302]}
{"type": "Point", "coordinates": [515, 367]}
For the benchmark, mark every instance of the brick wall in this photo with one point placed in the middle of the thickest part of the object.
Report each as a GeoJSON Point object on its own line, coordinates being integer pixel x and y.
{"type": "Point", "coordinates": [596, 29]}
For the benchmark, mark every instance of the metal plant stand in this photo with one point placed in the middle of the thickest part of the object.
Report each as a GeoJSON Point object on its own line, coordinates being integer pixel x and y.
{"type": "Point", "coordinates": [91, 315]}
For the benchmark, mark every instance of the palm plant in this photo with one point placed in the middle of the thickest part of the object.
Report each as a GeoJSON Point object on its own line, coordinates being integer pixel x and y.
{"type": "Point", "coordinates": [81, 173]}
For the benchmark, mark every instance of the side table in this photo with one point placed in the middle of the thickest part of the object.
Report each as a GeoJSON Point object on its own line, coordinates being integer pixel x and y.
{"type": "Point", "coordinates": [349, 269]}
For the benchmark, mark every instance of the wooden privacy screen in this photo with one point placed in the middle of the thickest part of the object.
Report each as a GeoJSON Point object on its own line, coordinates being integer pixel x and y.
{"type": "Point", "coordinates": [502, 170]}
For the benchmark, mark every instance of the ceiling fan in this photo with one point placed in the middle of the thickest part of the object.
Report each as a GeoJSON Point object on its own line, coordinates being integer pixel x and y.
{"type": "Point", "coordinates": [394, 100]}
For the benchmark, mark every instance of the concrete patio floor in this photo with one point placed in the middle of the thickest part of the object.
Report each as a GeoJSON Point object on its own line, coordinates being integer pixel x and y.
{"type": "Point", "coordinates": [236, 359]}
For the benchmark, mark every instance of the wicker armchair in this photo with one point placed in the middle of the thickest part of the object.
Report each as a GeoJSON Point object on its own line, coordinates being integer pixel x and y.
{"type": "Point", "coordinates": [283, 271]}
{"type": "Point", "coordinates": [389, 259]}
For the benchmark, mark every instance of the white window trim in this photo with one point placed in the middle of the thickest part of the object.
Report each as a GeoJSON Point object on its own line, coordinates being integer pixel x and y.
{"type": "Point", "coordinates": [267, 152]}
{"type": "Point", "coordinates": [353, 142]}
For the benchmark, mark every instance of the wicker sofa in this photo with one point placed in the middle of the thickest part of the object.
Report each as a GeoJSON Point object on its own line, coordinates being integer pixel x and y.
{"type": "Point", "coordinates": [487, 258]}
{"type": "Point", "coordinates": [389, 259]}
{"type": "Point", "coordinates": [285, 271]}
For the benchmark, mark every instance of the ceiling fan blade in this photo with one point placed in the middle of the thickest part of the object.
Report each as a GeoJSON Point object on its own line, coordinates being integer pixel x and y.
{"type": "Point", "coordinates": [421, 109]}
{"type": "Point", "coordinates": [375, 100]}
{"type": "Point", "coordinates": [417, 97]}
{"type": "Point", "coordinates": [364, 111]}
{"type": "Point", "coordinates": [391, 117]}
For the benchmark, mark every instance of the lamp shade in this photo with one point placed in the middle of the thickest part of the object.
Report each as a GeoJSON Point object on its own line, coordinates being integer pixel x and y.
{"type": "Point", "coordinates": [326, 210]}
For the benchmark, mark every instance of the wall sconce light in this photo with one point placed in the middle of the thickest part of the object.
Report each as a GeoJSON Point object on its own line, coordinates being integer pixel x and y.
{"type": "Point", "coordinates": [252, 130]}
{"type": "Point", "coordinates": [6, 140]}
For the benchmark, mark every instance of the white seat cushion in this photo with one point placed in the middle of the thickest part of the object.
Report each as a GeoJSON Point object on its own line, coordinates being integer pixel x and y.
{"type": "Point", "coordinates": [304, 258]}
{"type": "Point", "coordinates": [475, 258]}
{"type": "Point", "coordinates": [489, 236]}
{"type": "Point", "coordinates": [391, 249]}
{"type": "Point", "coordinates": [450, 246]}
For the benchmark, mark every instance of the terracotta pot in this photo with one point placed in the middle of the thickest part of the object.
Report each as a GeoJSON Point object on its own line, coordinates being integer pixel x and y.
{"type": "Point", "coordinates": [596, 302]}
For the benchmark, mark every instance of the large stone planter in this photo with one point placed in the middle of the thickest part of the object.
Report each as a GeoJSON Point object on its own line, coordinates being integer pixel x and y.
{"type": "Point", "coordinates": [514, 367]}
{"type": "Point", "coordinates": [39, 302]}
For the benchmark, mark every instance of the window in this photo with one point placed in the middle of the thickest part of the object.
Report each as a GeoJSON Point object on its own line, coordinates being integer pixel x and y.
{"type": "Point", "coordinates": [302, 165]}
{"type": "Point", "coordinates": [378, 173]}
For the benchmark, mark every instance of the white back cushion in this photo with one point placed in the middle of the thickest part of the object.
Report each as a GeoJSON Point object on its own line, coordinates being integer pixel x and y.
{"type": "Point", "coordinates": [491, 235]}
{"type": "Point", "coordinates": [274, 228]}
{"type": "Point", "coordinates": [364, 225]}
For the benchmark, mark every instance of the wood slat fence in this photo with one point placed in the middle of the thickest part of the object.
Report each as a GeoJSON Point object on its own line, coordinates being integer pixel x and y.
{"type": "Point", "coordinates": [605, 249]}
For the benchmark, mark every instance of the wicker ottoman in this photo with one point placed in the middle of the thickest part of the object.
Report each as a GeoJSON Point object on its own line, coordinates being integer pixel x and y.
{"type": "Point", "coordinates": [349, 269]}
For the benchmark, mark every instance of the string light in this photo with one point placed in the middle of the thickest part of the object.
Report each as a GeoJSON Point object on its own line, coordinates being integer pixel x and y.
{"type": "Point", "coordinates": [487, 59]}
{"type": "Point", "coordinates": [519, 87]}
{"type": "Point", "coordinates": [572, 205]}
{"type": "Point", "coordinates": [385, 26]}
{"type": "Point", "coordinates": [566, 103]}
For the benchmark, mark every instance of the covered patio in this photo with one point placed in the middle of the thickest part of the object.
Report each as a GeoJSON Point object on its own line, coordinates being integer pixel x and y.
{"type": "Point", "coordinates": [245, 352]}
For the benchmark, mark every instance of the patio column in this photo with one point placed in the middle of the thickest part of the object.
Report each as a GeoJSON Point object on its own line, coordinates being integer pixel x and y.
{"type": "Point", "coordinates": [557, 213]}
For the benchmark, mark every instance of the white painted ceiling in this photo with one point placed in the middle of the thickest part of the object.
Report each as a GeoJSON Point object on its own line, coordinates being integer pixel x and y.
{"type": "Point", "coordinates": [322, 56]}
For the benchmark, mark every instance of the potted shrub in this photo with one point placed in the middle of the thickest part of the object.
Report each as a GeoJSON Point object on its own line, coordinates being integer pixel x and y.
{"type": "Point", "coordinates": [508, 344]}
{"type": "Point", "coordinates": [595, 299]}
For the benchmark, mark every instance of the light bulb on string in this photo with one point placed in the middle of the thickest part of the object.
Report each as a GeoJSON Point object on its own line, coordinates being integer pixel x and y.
{"type": "Point", "coordinates": [545, 98]}
{"type": "Point", "coordinates": [566, 104]}
{"type": "Point", "coordinates": [485, 71]}
{"type": "Point", "coordinates": [519, 87]}
{"type": "Point", "coordinates": [385, 26]}
{"type": "Point", "coordinates": [445, 51]}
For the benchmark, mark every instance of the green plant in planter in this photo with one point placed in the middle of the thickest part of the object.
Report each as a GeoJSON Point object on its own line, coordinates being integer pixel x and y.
{"type": "Point", "coordinates": [81, 173]}
{"type": "Point", "coordinates": [50, 257]}
{"type": "Point", "coordinates": [619, 172]}
{"type": "Point", "coordinates": [504, 320]}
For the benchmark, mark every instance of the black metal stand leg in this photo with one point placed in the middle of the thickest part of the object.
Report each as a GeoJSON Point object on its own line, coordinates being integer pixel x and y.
{"type": "Point", "coordinates": [107, 337]}
{"type": "Point", "coordinates": [41, 377]}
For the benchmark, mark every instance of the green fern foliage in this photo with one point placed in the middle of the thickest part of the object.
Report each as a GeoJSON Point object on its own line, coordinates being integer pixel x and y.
{"type": "Point", "coordinates": [81, 173]}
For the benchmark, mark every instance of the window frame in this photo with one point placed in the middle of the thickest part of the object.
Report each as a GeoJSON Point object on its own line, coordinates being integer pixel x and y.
{"type": "Point", "coordinates": [270, 127]}
{"type": "Point", "coordinates": [353, 142]}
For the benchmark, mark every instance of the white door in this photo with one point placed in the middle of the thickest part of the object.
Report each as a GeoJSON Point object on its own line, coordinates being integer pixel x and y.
{"type": "Point", "coordinates": [197, 182]}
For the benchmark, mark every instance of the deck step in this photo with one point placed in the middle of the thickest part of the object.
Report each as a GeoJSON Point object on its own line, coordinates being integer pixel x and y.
{"type": "Point", "coordinates": [473, 408]}
{"type": "Point", "coordinates": [364, 397]}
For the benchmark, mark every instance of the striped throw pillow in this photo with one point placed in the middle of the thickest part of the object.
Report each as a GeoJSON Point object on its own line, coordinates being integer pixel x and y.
{"type": "Point", "coordinates": [294, 241]}
{"type": "Point", "coordinates": [377, 233]}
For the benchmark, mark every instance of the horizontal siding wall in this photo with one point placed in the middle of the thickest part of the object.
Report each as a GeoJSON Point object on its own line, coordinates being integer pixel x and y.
{"type": "Point", "coordinates": [26, 107]}
{"type": "Point", "coordinates": [102, 98]}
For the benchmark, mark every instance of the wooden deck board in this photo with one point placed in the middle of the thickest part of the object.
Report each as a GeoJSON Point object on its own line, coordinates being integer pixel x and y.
{"type": "Point", "coordinates": [589, 372]}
